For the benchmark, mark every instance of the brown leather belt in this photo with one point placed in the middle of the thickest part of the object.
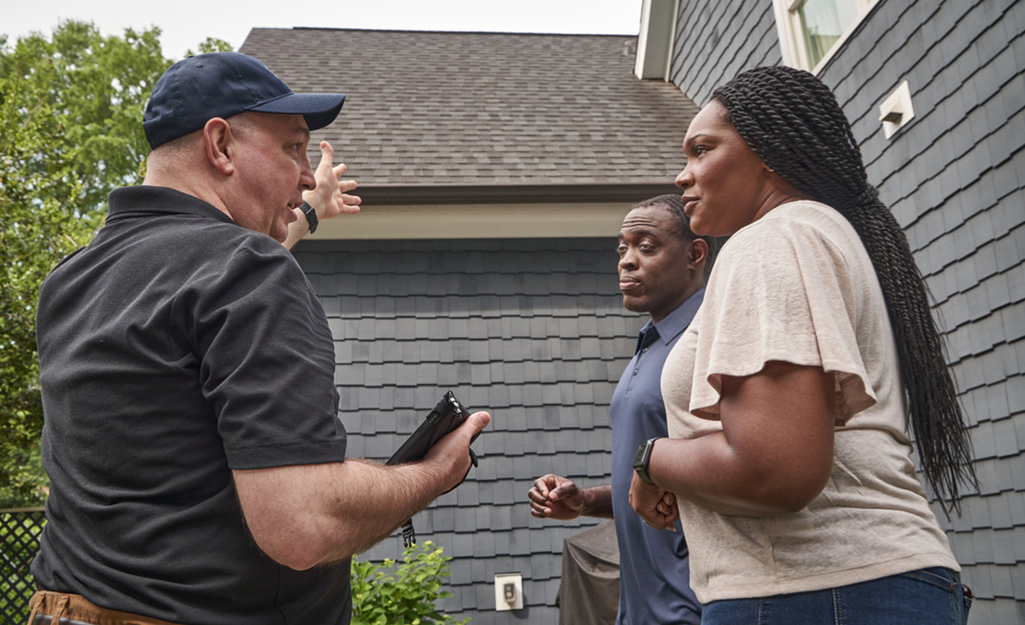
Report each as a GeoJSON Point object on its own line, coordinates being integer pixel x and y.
{"type": "Point", "coordinates": [59, 608]}
{"type": "Point", "coordinates": [46, 619]}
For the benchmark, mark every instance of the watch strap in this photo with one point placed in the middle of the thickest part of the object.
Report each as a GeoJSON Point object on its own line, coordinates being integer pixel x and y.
{"type": "Point", "coordinates": [311, 216]}
{"type": "Point", "coordinates": [643, 459]}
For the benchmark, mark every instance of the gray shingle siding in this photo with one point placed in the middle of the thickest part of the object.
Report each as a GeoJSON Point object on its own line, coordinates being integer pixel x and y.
{"type": "Point", "coordinates": [954, 178]}
{"type": "Point", "coordinates": [708, 47]}
{"type": "Point", "coordinates": [535, 331]}
{"type": "Point", "coordinates": [532, 330]}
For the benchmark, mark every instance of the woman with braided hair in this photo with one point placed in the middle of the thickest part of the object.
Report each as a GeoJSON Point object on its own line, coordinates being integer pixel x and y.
{"type": "Point", "coordinates": [793, 396]}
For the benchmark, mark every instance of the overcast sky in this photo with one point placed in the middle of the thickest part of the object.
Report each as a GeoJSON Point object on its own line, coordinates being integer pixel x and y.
{"type": "Point", "coordinates": [185, 23]}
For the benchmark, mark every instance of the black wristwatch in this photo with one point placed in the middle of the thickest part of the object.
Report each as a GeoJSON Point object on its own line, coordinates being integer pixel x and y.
{"type": "Point", "coordinates": [311, 216]}
{"type": "Point", "coordinates": [643, 457]}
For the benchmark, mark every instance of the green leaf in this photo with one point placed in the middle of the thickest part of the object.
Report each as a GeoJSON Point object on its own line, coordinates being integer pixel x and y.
{"type": "Point", "coordinates": [409, 590]}
{"type": "Point", "coordinates": [71, 108]}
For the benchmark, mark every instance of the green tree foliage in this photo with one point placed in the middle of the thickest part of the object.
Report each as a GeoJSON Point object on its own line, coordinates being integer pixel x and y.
{"type": "Point", "coordinates": [211, 44]}
{"type": "Point", "coordinates": [98, 87]}
{"type": "Point", "coordinates": [70, 131]}
{"type": "Point", "coordinates": [386, 594]}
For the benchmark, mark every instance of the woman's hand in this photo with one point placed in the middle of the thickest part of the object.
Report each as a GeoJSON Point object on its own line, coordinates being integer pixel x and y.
{"type": "Point", "coordinates": [655, 505]}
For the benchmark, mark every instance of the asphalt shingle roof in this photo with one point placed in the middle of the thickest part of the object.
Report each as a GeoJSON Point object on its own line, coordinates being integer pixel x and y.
{"type": "Point", "coordinates": [426, 108]}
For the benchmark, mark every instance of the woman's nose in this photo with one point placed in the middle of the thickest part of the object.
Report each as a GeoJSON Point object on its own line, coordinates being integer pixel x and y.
{"type": "Point", "coordinates": [683, 179]}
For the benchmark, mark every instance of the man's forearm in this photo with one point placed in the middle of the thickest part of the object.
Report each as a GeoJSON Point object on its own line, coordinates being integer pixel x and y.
{"type": "Point", "coordinates": [296, 230]}
{"type": "Point", "coordinates": [302, 516]}
{"type": "Point", "coordinates": [305, 515]}
{"type": "Point", "coordinates": [598, 502]}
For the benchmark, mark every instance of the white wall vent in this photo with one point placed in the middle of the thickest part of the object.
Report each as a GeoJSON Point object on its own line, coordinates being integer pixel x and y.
{"type": "Point", "coordinates": [896, 110]}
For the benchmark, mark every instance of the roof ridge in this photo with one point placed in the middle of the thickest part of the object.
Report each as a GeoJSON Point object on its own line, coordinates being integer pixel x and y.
{"type": "Point", "coordinates": [445, 32]}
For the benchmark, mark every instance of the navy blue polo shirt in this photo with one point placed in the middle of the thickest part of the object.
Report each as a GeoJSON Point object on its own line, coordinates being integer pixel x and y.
{"type": "Point", "coordinates": [654, 566]}
{"type": "Point", "coordinates": [174, 348]}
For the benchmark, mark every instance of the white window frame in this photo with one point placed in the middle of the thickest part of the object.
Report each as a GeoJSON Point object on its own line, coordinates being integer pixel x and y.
{"type": "Point", "coordinates": [791, 37]}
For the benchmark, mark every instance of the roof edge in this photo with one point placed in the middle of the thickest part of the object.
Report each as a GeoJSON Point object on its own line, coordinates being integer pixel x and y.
{"type": "Point", "coordinates": [447, 32]}
{"type": "Point", "coordinates": [388, 194]}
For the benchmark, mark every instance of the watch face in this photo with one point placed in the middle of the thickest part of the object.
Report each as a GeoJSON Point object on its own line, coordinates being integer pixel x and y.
{"type": "Point", "coordinates": [642, 459]}
{"type": "Point", "coordinates": [643, 450]}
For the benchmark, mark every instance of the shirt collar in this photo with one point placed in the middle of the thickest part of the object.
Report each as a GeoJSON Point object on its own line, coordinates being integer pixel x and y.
{"type": "Point", "coordinates": [146, 200]}
{"type": "Point", "coordinates": [677, 321]}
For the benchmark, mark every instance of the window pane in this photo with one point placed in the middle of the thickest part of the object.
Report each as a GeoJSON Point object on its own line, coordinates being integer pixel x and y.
{"type": "Point", "coordinates": [823, 22]}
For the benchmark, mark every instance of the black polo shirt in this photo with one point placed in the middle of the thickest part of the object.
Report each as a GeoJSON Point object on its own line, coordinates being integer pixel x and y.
{"type": "Point", "coordinates": [174, 348]}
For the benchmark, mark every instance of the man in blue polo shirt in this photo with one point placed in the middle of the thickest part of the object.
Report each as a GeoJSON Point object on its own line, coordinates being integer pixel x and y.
{"type": "Point", "coordinates": [661, 272]}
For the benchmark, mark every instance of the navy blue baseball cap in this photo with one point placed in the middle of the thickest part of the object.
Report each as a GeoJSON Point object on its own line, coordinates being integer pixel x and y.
{"type": "Point", "coordinates": [221, 84]}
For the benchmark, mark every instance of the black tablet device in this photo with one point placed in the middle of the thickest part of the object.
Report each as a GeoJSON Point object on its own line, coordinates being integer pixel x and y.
{"type": "Point", "coordinates": [445, 417]}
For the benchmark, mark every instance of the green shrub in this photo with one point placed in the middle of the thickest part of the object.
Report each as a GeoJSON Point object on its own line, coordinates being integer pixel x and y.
{"type": "Point", "coordinates": [385, 594]}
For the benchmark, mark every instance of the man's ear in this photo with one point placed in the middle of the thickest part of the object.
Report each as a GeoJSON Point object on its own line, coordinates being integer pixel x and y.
{"type": "Point", "coordinates": [697, 252]}
{"type": "Point", "coordinates": [218, 137]}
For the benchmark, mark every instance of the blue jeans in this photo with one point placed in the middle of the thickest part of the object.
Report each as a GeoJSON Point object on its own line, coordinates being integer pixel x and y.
{"type": "Point", "coordinates": [931, 596]}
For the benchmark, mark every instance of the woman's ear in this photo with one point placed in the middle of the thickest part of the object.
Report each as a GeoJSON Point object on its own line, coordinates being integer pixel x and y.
{"type": "Point", "coordinates": [218, 137]}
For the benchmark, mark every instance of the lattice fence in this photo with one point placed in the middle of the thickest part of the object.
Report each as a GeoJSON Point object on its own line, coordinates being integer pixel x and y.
{"type": "Point", "coordinates": [19, 542]}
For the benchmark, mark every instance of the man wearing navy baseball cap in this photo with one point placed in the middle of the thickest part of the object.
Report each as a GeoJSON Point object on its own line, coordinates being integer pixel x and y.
{"type": "Point", "coordinates": [197, 465]}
